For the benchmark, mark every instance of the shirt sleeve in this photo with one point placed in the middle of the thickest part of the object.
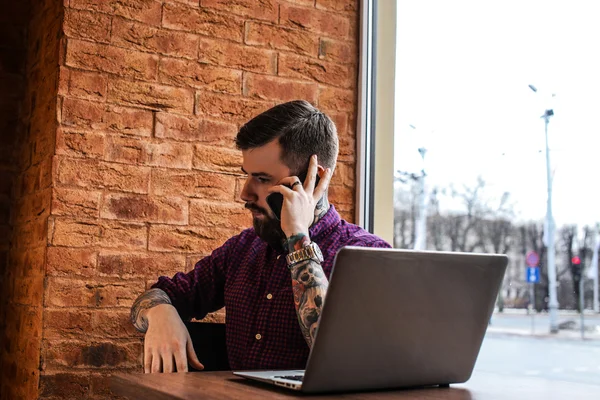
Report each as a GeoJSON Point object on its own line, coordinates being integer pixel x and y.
{"type": "Point", "coordinates": [200, 291]}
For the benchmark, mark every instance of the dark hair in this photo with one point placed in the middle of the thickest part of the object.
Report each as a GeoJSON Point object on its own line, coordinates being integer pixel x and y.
{"type": "Point", "coordinates": [302, 131]}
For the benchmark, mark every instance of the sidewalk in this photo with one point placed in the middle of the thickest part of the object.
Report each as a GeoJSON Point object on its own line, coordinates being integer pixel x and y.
{"type": "Point", "coordinates": [518, 323]}
{"type": "Point", "coordinates": [570, 334]}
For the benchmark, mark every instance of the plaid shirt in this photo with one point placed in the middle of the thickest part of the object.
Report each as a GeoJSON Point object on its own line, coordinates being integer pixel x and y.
{"type": "Point", "coordinates": [253, 282]}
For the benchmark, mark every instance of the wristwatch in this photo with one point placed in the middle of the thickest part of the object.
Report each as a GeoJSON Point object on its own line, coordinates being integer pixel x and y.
{"type": "Point", "coordinates": [308, 252]}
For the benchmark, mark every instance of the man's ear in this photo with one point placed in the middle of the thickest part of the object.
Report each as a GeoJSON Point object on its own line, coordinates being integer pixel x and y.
{"type": "Point", "coordinates": [320, 171]}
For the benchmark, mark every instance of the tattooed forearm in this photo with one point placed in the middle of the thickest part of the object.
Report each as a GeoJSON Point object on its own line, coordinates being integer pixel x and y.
{"type": "Point", "coordinates": [309, 284]}
{"type": "Point", "coordinates": [146, 301]}
{"type": "Point", "coordinates": [297, 241]}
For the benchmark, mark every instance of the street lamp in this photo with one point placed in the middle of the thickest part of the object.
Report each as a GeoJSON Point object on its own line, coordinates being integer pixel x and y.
{"type": "Point", "coordinates": [553, 305]}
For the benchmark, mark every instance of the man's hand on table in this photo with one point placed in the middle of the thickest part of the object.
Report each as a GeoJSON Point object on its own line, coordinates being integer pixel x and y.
{"type": "Point", "coordinates": [168, 346]}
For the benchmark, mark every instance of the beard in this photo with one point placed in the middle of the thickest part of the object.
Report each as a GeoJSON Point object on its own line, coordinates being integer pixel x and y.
{"type": "Point", "coordinates": [267, 228]}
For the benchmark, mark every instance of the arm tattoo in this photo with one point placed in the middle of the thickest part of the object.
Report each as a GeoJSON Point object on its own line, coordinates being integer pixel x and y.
{"type": "Point", "coordinates": [309, 285]}
{"type": "Point", "coordinates": [297, 241]}
{"type": "Point", "coordinates": [146, 301]}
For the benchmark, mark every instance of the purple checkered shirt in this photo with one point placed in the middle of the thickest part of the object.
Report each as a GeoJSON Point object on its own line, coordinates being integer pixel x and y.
{"type": "Point", "coordinates": [253, 282]}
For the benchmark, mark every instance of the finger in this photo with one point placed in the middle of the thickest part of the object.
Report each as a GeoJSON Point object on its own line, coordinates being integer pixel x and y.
{"type": "Point", "coordinates": [147, 360]}
{"type": "Point", "coordinates": [284, 190]}
{"type": "Point", "coordinates": [167, 361]}
{"type": "Point", "coordinates": [192, 357]}
{"type": "Point", "coordinates": [181, 361]}
{"type": "Point", "coordinates": [156, 363]}
{"type": "Point", "coordinates": [311, 177]}
{"type": "Point", "coordinates": [323, 184]}
{"type": "Point", "coordinates": [289, 181]}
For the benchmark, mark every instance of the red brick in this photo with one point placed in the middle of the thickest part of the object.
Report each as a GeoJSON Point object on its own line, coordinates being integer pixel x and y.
{"type": "Point", "coordinates": [93, 174]}
{"type": "Point", "coordinates": [191, 239]}
{"type": "Point", "coordinates": [314, 20]}
{"type": "Point", "coordinates": [29, 290]}
{"type": "Point", "coordinates": [217, 159]}
{"type": "Point", "coordinates": [80, 144]}
{"type": "Point", "coordinates": [263, 9]}
{"type": "Point", "coordinates": [31, 207]}
{"type": "Point", "coordinates": [306, 3]}
{"type": "Point", "coordinates": [340, 120]}
{"type": "Point", "coordinates": [136, 151]}
{"type": "Point", "coordinates": [199, 130]}
{"type": "Point", "coordinates": [75, 233]}
{"type": "Point", "coordinates": [331, 98]}
{"type": "Point", "coordinates": [337, 5]}
{"type": "Point", "coordinates": [202, 21]}
{"type": "Point", "coordinates": [133, 265]}
{"type": "Point", "coordinates": [344, 174]}
{"type": "Point", "coordinates": [316, 70]}
{"type": "Point", "coordinates": [237, 56]}
{"type": "Point", "coordinates": [63, 80]}
{"type": "Point", "coordinates": [30, 234]}
{"type": "Point", "coordinates": [200, 184]}
{"type": "Point", "coordinates": [229, 108]}
{"type": "Point", "coordinates": [338, 51]}
{"type": "Point", "coordinates": [199, 75]}
{"type": "Point", "coordinates": [166, 210]}
{"type": "Point", "coordinates": [67, 323]}
{"type": "Point", "coordinates": [87, 25]}
{"type": "Point", "coordinates": [113, 324]}
{"type": "Point", "coordinates": [347, 148]}
{"type": "Point", "coordinates": [209, 213]}
{"type": "Point", "coordinates": [146, 38]}
{"type": "Point", "coordinates": [148, 11]}
{"type": "Point", "coordinates": [30, 262]}
{"type": "Point", "coordinates": [118, 61]}
{"type": "Point", "coordinates": [64, 385]}
{"type": "Point", "coordinates": [123, 235]}
{"type": "Point", "coordinates": [75, 203]}
{"type": "Point", "coordinates": [61, 292]}
{"type": "Point", "coordinates": [341, 195]}
{"type": "Point", "coordinates": [153, 96]}
{"type": "Point", "coordinates": [279, 38]}
{"type": "Point", "coordinates": [87, 85]}
{"type": "Point", "coordinates": [78, 354]}
{"type": "Point", "coordinates": [274, 88]}
{"type": "Point", "coordinates": [101, 117]}
{"type": "Point", "coordinates": [65, 261]}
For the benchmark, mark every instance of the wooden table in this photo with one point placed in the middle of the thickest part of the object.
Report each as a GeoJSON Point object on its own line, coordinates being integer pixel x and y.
{"type": "Point", "coordinates": [224, 385]}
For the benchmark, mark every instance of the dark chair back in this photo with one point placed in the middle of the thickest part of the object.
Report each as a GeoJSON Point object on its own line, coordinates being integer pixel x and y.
{"type": "Point", "coordinates": [209, 344]}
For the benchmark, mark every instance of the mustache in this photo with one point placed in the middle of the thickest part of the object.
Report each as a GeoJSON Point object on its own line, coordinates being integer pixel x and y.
{"type": "Point", "coordinates": [252, 206]}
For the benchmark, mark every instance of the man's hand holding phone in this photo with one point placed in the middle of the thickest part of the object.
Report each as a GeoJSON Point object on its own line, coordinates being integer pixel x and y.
{"type": "Point", "coordinates": [299, 200]}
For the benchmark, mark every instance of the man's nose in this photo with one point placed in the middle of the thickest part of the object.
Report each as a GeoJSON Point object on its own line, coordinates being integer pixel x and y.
{"type": "Point", "coordinates": [247, 192]}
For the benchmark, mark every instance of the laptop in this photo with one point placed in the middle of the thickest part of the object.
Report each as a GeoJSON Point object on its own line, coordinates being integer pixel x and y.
{"type": "Point", "coordinates": [398, 318]}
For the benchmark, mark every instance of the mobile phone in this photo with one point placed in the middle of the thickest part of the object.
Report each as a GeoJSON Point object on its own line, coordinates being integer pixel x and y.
{"type": "Point", "coordinates": [275, 200]}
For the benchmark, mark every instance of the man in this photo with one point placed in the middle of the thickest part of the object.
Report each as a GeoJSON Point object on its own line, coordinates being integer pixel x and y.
{"type": "Point", "coordinates": [271, 278]}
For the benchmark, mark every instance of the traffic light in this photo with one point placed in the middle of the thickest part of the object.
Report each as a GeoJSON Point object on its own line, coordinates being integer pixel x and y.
{"type": "Point", "coordinates": [576, 268]}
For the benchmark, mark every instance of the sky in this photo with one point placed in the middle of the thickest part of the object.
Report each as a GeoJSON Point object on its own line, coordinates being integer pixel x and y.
{"type": "Point", "coordinates": [462, 75]}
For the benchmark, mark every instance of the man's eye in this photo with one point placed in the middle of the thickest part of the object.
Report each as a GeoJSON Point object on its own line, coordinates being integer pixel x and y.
{"type": "Point", "coordinates": [262, 180]}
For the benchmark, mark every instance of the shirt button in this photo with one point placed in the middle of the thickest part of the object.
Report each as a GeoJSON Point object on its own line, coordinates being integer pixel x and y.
{"type": "Point", "coordinates": [269, 296]}
{"type": "Point", "coordinates": [258, 336]}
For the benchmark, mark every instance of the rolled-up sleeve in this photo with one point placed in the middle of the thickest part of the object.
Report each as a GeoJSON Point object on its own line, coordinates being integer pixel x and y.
{"type": "Point", "coordinates": [200, 291]}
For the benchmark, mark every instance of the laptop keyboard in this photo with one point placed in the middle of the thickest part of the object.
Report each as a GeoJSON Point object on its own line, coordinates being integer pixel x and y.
{"type": "Point", "coordinates": [291, 377]}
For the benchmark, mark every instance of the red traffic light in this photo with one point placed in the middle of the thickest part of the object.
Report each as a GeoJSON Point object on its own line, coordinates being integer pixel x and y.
{"type": "Point", "coordinates": [576, 260]}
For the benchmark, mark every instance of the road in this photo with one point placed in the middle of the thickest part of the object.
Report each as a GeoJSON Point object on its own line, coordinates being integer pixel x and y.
{"type": "Point", "coordinates": [550, 358]}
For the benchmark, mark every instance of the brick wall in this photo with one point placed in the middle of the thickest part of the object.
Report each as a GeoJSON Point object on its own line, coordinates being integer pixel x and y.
{"type": "Point", "coordinates": [31, 84]}
{"type": "Point", "coordinates": [145, 176]}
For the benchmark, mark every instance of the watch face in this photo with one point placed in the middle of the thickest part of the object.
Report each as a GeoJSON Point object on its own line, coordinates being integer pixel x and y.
{"type": "Point", "coordinates": [318, 252]}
